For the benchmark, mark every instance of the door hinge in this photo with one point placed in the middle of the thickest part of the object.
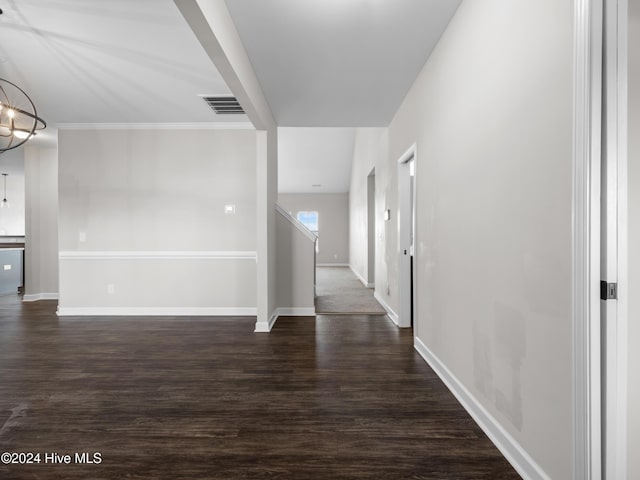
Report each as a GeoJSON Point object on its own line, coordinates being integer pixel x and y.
{"type": "Point", "coordinates": [608, 291]}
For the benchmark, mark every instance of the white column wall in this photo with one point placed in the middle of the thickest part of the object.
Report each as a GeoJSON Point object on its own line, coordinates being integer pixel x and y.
{"type": "Point", "coordinates": [41, 222]}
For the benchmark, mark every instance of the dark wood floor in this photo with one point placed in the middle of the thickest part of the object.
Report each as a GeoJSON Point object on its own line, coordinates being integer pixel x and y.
{"type": "Point", "coordinates": [195, 398]}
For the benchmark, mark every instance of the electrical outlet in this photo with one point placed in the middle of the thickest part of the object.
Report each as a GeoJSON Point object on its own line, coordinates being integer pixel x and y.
{"type": "Point", "coordinates": [335, 256]}
{"type": "Point", "coordinates": [82, 237]}
{"type": "Point", "coordinates": [230, 209]}
{"type": "Point", "coordinates": [7, 267]}
{"type": "Point", "coordinates": [111, 289]}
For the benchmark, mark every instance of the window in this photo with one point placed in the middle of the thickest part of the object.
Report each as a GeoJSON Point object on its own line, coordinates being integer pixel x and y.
{"type": "Point", "coordinates": [309, 220]}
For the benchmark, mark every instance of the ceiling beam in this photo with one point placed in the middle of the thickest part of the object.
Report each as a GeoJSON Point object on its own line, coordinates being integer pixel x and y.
{"type": "Point", "coordinates": [212, 24]}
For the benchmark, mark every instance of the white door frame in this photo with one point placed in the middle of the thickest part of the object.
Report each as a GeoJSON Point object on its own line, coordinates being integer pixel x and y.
{"type": "Point", "coordinates": [371, 229]}
{"type": "Point", "coordinates": [614, 236]}
{"type": "Point", "coordinates": [587, 123]}
{"type": "Point", "coordinates": [404, 225]}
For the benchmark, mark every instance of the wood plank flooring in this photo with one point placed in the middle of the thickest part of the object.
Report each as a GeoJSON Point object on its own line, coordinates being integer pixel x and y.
{"type": "Point", "coordinates": [206, 398]}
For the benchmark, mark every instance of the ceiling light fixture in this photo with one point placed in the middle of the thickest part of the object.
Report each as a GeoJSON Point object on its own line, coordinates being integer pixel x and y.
{"type": "Point", "coordinates": [21, 134]}
{"type": "Point", "coordinates": [5, 203]}
{"type": "Point", "coordinates": [19, 119]}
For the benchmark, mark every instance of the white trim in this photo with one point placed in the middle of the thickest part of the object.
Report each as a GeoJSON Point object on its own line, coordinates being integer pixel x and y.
{"type": "Point", "coordinates": [615, 249]}
{"type": "Point", "coordinates": [295, 222]}
{"type": "Point", "coordinates": [156, 255]}
{"type": "Point", "coordinates": [34, 297]}
{"type": "Point", "coordinates": [265, 327]}
{"type": "Point", "coordinates": [157, 311]}
{"type": "Point", "coordinates": [408, 154]}
{"type": "Point", "coordinates": [623, 238]}
{"type": "Point", "coordinates": [508, 446]}
{"type": "Point", "coordinates": [587, 121]}
{"type": "Point", "coordinates": [12, 249]}
{"type": "Point", "coordinates": [332, 265]}
{"type": "Point", "coordinates": [296, 312]}
{"type": "Point", "coordinates": [158, 126]}
{"type": "Point", "coordinates": [361, 278]}
{"type": "Point", "coordinates": [390, 313]}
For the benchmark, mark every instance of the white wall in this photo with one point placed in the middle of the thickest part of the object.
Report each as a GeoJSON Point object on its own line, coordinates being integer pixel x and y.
{"type": "Point", "coordinates": [150, 206]}
{"type": "Point", "coordinates": [41, 238]}
{"type": "Point", "coordinates": [295, 268]}
{"type": "Point", "coordinates": [12, 218]}
{"type": "Point", "coordinates": [633, 368]}
{"type": "Point", "coordinates": [309, 156]}
{"type": "Point", "coordinates": [370, 151]}
{"type": "Point", "coordinates": [333, 222]}
{"type": "Point", "coordinates": [491, 114]}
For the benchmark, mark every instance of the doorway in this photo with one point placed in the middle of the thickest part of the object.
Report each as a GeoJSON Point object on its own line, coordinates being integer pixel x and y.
{"type": "Point", "coordinates": [371, 229]}
{"type": "Point", "coordinates": [406, 236]}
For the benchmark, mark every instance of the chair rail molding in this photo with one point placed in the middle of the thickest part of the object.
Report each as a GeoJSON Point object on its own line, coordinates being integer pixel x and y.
{"type": "Point", "coordinates": [157, 255]}
{"type": "Point", "coordinates": [158, 126]}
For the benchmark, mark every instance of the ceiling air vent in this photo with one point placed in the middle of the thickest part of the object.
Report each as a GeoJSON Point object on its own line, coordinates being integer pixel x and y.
{"type": "Point", "coordinates": [224, 105]}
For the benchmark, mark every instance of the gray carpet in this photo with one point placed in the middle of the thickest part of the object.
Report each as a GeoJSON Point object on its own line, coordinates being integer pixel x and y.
{"type": "Point", "coordinates": [339, 291]}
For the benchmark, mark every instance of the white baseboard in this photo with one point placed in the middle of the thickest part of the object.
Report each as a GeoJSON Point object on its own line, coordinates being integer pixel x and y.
{"type": "Point", "coordinates": [508, 446]}
{"type": "Point", "coordinates": [296, 312]}
{"type": "Point", "coordinates": [332, 264]}
{"type": "Point", "coordinates": [157, 311]}
{"type": "Point", "coordinates": [391, 314]}
{"type": "Point", "coordinates": [34, 297]}
{"type": "Point", "coordinates": [265, 327]}
{"type": "Point", "coordinates": [364, 282]}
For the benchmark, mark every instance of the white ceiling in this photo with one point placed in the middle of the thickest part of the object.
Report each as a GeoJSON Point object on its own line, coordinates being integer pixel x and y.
{"type": "Point", "coordinates": [311, 156]}
{"type": "Point", "coordinates": [327, 63]}
{"type": "Point", "coordinates": [116, 61]}
{"type": "Point", "coordinates": [338, 62]}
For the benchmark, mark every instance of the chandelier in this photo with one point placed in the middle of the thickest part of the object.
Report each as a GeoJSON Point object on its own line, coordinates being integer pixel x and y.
{"type": "Point", "coordinates": [19, 120]}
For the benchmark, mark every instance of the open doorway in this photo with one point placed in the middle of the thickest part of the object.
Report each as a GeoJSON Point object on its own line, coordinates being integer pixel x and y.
{"type": "Point", "coordinates": [406, 236]}
{"type": "Point", "coordinates": [371, 229]}
{"type": "Point", "coordinates": [341, 290]}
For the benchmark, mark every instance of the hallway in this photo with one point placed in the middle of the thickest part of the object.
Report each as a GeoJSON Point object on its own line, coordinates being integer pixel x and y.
{"type": "Point", "coordinates": [196, 398]}
{"type": "Point", "coordinates": [339, 292]}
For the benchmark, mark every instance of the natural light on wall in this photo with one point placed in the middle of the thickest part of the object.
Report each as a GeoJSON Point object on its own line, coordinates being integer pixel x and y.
{"type": "Point", "coordinates": [310, 220]}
